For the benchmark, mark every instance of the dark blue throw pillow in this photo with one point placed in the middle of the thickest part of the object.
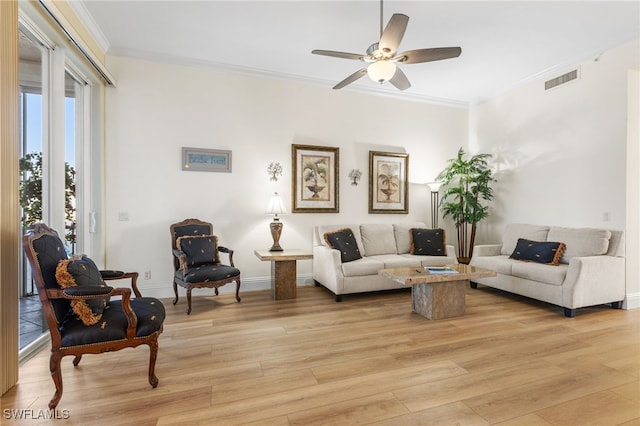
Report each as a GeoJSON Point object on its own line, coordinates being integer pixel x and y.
{"type": "Point", "coordinates": [345, 241]}
{"type": "Point", "coordinates": [81, 272]}
{"type": "Point", "coordinates": [199, 249]}
{"type": "Point", "coordinates": [428, 242]}
{"type": "Point", "coordinates": [538, 251]}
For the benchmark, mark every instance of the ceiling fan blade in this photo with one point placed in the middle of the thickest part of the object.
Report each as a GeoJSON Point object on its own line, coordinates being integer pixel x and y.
{"type": "Point", "coordinates": [428, 55]}
{"type": "Point", "coordinates": [353, 77]}
{"type": "Point", "coordinates": [400, 80]}
{"type": "Point", "coordinates": [393, 33]}
{"type": "Point", "coordinates": [335, 54]}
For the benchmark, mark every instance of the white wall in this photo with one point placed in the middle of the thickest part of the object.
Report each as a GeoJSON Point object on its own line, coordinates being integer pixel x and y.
{"type": "Point", "coordinates": [158, 108]}
{"type": "Point", "coordinates": [633, 192]}
{"type": "Point", "coordinates": [560, 154]}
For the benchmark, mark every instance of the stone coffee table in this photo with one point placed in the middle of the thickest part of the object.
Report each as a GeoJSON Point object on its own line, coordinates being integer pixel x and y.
{"type": "Point", "coordinates": [437, 294]}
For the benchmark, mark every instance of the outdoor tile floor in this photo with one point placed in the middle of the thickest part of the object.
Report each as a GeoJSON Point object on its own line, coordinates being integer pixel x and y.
{"type": "Point", "coordinates": [31, 320]}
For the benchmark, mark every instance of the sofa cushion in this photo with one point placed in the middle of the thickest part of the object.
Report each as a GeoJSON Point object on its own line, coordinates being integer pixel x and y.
{"type": "Point", "coordinates": [539, 272]}
{"type": "Point", "coordinates": [360, 267]}
{"type": "Point", "coordinates": [428, 242]}
{"type": "Point", "coordinates": [80, 271]}
{"type": "Point", "coordinates": [344, 241]}
{"type": "Point", "coordinates": [580, 241]}
{"type": "Point", "coordinates": [403, 236]}
{"type": "Point", "coordinates": [500, 264]}
{"type": "Point", "coordinates": [538, 251]}
{"type": "Point", "coordinates": [513, 231]}
{"type": "Point", "coordinates": [378, 239]}
{"type": "Point", "coordinates": [432, 260]}
{"type": "Point", "coordinates": [395, 261]}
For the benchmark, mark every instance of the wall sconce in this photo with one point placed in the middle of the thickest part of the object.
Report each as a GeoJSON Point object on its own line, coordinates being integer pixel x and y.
{"type": "Point", "coordinates": [434, 187]}
{"type": "Point", "coordinates": [355, 175]}
{"type": "Point", "coordinates": [275, 171]}
{"type": "Point", "coordinates": [276, 207]}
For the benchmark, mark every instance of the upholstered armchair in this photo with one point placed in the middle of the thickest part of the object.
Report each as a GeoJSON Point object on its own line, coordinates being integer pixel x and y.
{"type": "Point", "coordinates": [82, 316]}
{"type": "Point", "coordinates": [197, 261]}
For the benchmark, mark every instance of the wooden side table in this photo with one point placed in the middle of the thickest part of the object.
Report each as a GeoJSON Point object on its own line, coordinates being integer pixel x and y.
{"type": "Point", "coordinates": [283, 270]}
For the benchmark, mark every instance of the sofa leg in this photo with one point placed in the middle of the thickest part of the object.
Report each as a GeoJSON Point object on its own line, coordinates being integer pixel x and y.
{"type": "Point", "coordinates": [338, 298]}
{"type": "Point", "coordinates": [569, 313]}
{"type": "Point", "coordinates": [617, 305]}
{"type": "Point", "coordinates": [473, 285]}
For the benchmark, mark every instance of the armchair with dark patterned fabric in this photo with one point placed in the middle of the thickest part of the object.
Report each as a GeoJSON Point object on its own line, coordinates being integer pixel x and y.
{"type": "Point", "coordinates": [196, 259]}
{"type": "Point", "coordinates": [77, 304]}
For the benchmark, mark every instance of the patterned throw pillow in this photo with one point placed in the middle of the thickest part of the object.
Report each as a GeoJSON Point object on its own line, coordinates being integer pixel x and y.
{"type": "Point", "coordinates": [538, 251]}
{"type": "Point", "coordinates": [199, 249]}
{"type": "Point", "coordinates": [427, 242]}
{"type": "Point", "coordinates": [345, 241]}
{"type": "Point", "coordinates": [80, 271]}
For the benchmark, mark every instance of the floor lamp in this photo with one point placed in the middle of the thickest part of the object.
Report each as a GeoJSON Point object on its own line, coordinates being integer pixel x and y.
{"type": "Point", "coordinates": [434, 187]}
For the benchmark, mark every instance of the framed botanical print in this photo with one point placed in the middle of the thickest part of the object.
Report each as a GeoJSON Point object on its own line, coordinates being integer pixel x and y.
{"type": "Point", "coordinates": [388, 185]}
{"type": "Point", "coordinates": [315, 179]}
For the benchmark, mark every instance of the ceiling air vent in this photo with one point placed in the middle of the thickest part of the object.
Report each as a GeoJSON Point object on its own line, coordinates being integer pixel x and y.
{"type": "Point", "coordinates": [564, 78]}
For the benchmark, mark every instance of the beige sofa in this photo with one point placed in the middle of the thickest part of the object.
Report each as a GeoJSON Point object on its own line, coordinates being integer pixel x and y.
{"type": "Point", "coordinates": [591, 270]}
{"type": "Point", "coordinates": [382, 246]}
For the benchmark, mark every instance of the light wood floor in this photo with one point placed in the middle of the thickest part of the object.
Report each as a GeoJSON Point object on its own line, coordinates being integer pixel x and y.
{"type": "Point", "coordinates": [367, 360]}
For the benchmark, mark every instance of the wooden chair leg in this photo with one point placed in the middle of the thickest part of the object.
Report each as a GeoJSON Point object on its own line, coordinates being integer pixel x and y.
{"type": "Point", "coordinates": [215, 290]}
{"type": "Point", "coordinates": [76, 360]}
{"type": "Point", "coordinates": [56, 375]}
{"type": "Point", "coordinates": [175, 290]}
{"type": "Point", "coordinates": [153, 355]}
{"type": "Point", "coordinates": [188, 300]}
{"type": "Point", "coordinates": [238, 290]}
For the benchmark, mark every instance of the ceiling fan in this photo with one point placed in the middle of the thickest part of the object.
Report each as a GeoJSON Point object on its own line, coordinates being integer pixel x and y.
{"type": "Point", "coordinates": [383, 57]}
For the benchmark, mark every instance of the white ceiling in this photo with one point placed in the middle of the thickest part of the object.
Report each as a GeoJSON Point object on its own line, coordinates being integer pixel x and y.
{"type": "Point", "coordinates": [504, 43]}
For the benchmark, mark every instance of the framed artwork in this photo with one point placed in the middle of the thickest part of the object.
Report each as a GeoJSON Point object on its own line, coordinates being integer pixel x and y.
{"type": "Point", "coordinates": [315, 179]}
{"type": "Point", "coordinates": [388, 185]}
{"type": "Point", "coordinates": [206, 160]}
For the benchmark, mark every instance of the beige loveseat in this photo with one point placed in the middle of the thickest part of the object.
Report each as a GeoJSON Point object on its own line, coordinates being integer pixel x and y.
{"type": "Point", "coordinates": [382, 246]}
{"type": "Point", "coordinates": [591, 270]}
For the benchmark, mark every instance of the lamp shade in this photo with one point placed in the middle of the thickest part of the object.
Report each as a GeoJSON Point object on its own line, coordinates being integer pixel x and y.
{"type": "Point", "coordinates": [381, 71]}
{"type": "Point", "coordinates": [276, 205]}
{"type": "Point", "coordinates": [434, 186]}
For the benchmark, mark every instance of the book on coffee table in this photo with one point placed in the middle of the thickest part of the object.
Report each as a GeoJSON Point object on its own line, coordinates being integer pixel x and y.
{"type": "Point", "coordinates": [440, 270]}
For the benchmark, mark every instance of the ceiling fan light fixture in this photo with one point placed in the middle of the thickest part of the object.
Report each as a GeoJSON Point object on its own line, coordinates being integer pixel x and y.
{"type": "Point", "coordinates": [381, 71]}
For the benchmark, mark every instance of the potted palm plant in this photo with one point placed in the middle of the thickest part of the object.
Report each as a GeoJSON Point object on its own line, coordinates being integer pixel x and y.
{"type": "Point", "coordinates": [467, 183]}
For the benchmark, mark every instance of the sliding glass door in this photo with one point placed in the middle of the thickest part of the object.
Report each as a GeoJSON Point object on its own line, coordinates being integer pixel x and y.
{"type": "Point", "coordinates": [54, 119]}
{"type": "Point", "coordinates": [33, 58]}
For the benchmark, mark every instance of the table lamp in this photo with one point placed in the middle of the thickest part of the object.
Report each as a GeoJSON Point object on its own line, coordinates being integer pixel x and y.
{"type": "Point", "coordinates": [276, 207]}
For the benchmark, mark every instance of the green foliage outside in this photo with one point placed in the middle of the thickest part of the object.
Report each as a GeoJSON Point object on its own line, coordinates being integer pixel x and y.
{"type": "Point", "coordinates": [31, 194]}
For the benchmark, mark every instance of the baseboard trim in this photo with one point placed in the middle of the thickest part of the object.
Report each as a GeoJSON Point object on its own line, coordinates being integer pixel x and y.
{"type": "Point", "coordinates": [247, 284]}
{"type": "Point", "coordinates": [632, 301]}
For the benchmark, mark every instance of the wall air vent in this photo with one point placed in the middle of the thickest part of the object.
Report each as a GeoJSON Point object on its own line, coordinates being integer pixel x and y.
{"type": "Point", "coordinates": [563, 79]}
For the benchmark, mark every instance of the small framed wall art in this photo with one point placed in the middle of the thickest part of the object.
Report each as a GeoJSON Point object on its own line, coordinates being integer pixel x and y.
{"type": "Point", "coordinates": [388, 185]}
{"type": "Point", "coordinates": [206, 160]}
{"type": "Point", "coordinates": [315, 179]}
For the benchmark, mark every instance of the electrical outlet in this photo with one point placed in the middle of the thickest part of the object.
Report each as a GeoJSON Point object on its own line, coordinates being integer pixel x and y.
{"type": "Point", "coordinates": [147, 275]}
